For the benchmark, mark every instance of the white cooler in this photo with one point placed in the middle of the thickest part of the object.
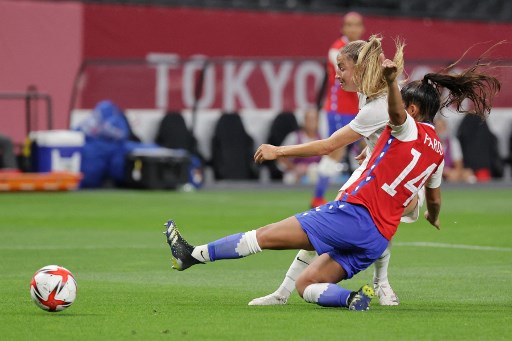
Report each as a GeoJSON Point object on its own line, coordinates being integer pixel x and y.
{"type": "Point", "coordinates": [56, 150]}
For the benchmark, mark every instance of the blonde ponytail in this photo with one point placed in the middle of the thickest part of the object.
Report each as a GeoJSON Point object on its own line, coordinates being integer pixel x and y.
{"type": "Point", "coordinates": [367, 69]}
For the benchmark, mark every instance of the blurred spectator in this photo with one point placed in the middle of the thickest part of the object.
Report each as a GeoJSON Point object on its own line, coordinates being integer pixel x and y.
{"type": "Point", "coordinates": [479, 148]}
{"type": "Point", "coordinates": [7, 158]}
{"type": "Point", "coordinates": [453, 162]}
{"type": "Point", "coordinates": [300, 169]}
{"type": "Point", "coordinates": [340, 106]}
{"type": "Point", "coordinates": [108, 139]}
{"type": "Point", "coordinates": [282, 125]}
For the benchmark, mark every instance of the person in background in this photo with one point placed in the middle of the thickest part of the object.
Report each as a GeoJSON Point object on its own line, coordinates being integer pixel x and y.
{"type": "Point", "coordinates": [479, 149]}
{"type": "Point", "coordinates": [341, 106]}
{"type": "Point", "coordinates": [297, 169]}
{"type": "Point", "coordinates": [7, 158]}
{"type": "Point", "coordinates": [453, 163]}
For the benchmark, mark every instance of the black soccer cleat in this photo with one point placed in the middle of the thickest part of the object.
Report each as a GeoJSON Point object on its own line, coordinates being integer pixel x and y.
{"type": "Point", "coordinates": [181, 250]}
{"type": "Point", "coordinates": [360, 300]}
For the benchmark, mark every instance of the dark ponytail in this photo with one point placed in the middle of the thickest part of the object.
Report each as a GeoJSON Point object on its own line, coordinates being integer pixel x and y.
{"type": "Point", "coordinates": [478, 87]}
{"type": "Point", "coordinates": [470, 84]}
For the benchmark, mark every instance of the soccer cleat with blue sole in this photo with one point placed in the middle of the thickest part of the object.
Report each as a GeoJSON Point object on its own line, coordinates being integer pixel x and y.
{"type": "Point", "coordinates": [362, 298]}
{"type": "Point", "coordinates": [181, 250]}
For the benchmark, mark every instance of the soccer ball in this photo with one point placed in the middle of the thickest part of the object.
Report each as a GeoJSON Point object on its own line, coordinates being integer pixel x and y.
{"type": "Point", "coordinates": [53, 288]}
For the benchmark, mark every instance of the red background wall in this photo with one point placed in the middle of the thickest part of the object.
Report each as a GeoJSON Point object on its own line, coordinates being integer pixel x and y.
{"type": "Point", "coordinates": [44, 43]}
{"type": "Point", "coordinates": [111, 31]}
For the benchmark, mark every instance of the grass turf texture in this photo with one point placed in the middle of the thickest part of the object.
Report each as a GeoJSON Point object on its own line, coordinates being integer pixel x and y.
{"type": "Point", "coordinates": [113, 243]}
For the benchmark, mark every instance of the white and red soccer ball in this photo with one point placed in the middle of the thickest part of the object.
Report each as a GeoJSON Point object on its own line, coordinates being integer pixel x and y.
{"type": "Point", "coordinates": [53, 288]}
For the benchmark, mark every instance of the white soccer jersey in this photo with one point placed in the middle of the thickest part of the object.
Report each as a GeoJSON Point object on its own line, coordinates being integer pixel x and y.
{"type": "Point", "coordinates": [370, 123]}
{"type": "Point", "coordinates": [371, 119]}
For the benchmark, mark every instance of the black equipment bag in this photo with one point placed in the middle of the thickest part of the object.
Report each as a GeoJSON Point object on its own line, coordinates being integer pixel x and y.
{"type": "Point", "coordinates": [160, 168]}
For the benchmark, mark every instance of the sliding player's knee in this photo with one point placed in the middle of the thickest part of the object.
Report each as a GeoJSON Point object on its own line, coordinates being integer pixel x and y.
{"type": "Point", "coordinates": [300, 286]}
{"type": "Point", "coordinates": [303, 282]}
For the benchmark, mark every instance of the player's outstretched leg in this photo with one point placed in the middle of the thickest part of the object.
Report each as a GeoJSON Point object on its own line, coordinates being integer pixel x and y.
{"type": "Point", "coordinates": [381, 284]}
{"type": "Point", "coordinates": [281, 295]}
{"type": "Point", "coordinates": [185, 255]}
{"type": "Point", "coordinates": [283, 235]}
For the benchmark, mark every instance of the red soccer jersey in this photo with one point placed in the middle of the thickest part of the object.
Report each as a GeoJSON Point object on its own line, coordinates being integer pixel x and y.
{"type": "Point", "coordinates": [337, 99]}
{"type": "Point", "coordinates": [399, 166]}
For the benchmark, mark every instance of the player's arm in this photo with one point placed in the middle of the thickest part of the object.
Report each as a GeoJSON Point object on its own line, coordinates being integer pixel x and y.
{"type": "Point", "coordinates": [396, 109]}
{"type": "Point", "coordinates": [340, 138]}
{"type": "Point", "coordinates": [433, 197]}
{"type": "Point", "coordinates": [360, 158]}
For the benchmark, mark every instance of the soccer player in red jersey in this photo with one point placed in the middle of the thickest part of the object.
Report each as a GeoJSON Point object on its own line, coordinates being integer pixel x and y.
{"type": "Point", "coordinates": [351, 232]}
{"type": "Point", "coordinates": [369, 124]}
{"type": "Point", "coordinates": [340, 106]}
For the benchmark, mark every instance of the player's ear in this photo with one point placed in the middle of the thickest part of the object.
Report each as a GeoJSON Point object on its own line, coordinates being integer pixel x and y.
{"type": "Point", "coordinates": [413, 110]}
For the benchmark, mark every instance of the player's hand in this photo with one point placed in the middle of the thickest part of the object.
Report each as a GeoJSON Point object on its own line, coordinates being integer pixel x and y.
{"type": "Point", "coordinates": [389, 69]}
{"type": "Point", "coordinates": [436, 223]}
{"type": "Point", "coordinates": [265, 152]}
{"type": "Point", "coordinates": [360, 158]}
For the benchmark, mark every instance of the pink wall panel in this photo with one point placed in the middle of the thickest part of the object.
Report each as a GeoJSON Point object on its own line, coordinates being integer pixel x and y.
{"type": "Point", "coordinates": [40, 44]}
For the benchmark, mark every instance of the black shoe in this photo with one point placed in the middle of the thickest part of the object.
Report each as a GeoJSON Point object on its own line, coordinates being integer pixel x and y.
{"type": "Point", "coordinates": [181, 250]}
{"type": "Point", "coordinates": [362, 298]}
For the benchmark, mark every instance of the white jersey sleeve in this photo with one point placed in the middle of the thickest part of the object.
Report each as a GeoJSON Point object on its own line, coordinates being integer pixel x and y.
{"type": "Point", "coordinates": [407, 131]}
{"type": "Point", "coordinates": [371, 119]}
{"type": "Point", "coordinates": [435, 179]}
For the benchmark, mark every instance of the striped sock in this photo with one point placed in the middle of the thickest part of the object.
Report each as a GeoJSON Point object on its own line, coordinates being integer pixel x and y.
{"type": "Point", "coordinates": [327, 295]}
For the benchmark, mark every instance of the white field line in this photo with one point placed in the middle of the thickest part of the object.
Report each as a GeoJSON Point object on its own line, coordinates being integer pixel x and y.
{"type": "Point", "coordinates": [454, 246]}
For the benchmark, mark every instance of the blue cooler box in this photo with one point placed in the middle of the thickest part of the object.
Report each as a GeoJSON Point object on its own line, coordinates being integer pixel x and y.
{"type": "Point", "coordinates": [56, 150]}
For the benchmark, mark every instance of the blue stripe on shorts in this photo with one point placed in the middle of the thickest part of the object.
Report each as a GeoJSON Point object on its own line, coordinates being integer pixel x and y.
{"type": "Point", "coordinates": [346, 232]}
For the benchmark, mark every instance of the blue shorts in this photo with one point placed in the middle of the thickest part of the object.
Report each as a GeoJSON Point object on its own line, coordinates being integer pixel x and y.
{"type": "Point", "coordinates": [346, 232]}
{"type": "Point", "coordinates": [337, 121]}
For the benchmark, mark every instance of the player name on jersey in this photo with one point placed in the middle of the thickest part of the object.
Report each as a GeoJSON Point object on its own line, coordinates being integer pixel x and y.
{"type": "Point", "coordinates": [433, 143]}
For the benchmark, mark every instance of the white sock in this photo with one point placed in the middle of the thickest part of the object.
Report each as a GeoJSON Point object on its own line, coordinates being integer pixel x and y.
{"type": "Point", "coordinates": [380, 273]}
{"type": "Point", "coordinates": [301, 262]}
{"type": "Point", "coordinates": [248, 244]}
{"type": "Point", "coordinates": [201, 253]}
{"type": "Point", "coordinates": [313, 291]}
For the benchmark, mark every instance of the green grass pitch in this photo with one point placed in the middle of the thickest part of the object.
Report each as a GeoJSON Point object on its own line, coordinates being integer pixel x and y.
{"type": "Point", "coordinates": [112, 241]}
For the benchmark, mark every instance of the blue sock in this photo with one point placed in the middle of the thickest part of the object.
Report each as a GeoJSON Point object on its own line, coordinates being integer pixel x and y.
{"type": "Point", "coordinates": [321, 186]}
{"type": "Point", "coordinates": [334, 296]}
{"type": "Point", "coordinates": [224, 248]}
{"type": "Point", "coordinates": [235, 246]}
